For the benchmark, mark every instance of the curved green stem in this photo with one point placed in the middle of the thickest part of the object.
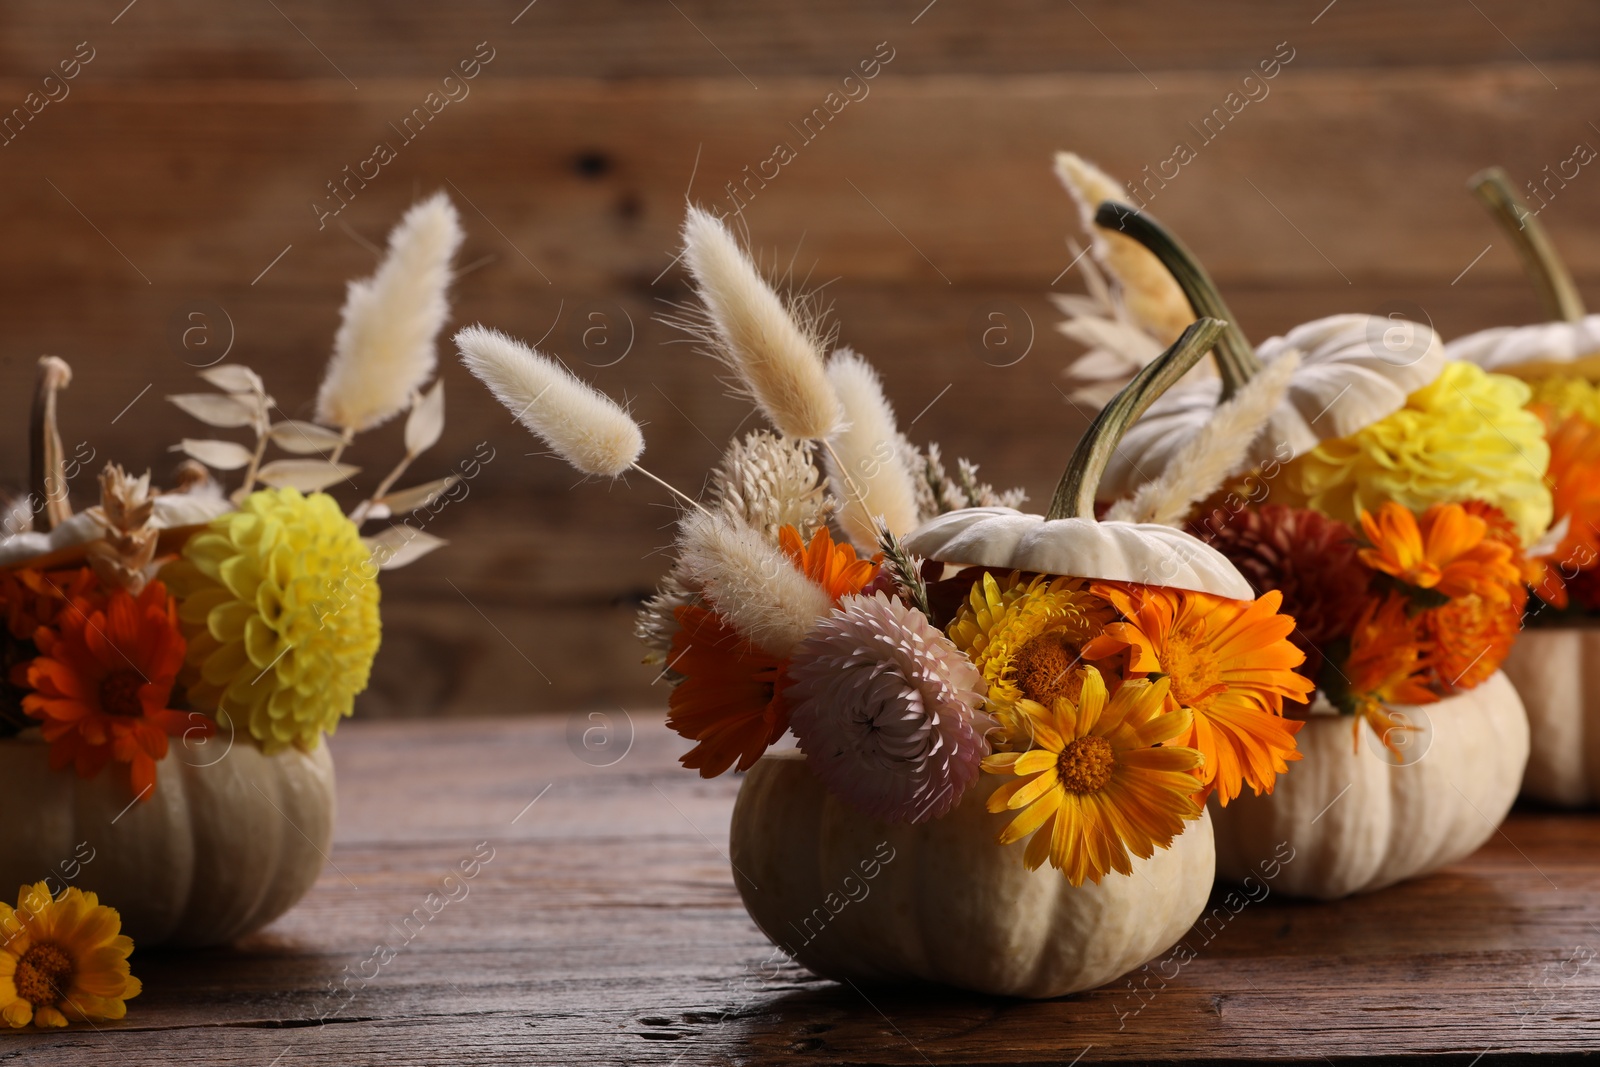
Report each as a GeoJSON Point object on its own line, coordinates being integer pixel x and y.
{"type": "Point", "coordinates": [1557, 293]}
{"type": "Point", "coordinates": [1236, 360]}
{"type": "Point", "coordinates": [1074, 497]}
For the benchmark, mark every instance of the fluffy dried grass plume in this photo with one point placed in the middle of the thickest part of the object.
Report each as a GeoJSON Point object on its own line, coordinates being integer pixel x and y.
{"type": "Point", "coordinates": [1151, 296]}
{"type": "Point", "coordinates": [385, 348]}
{"type": "Point", "coordinates": [771, 481]}
{"type": "Point", "coordinates": [579, 423]}
{"type": "Point", "coordinates": [874, 482]}
{"type": "Point", "coordinates": [1214, 454]}
{"type": "Point", "coordinates": [749, 581]}
{"type": "Point", "coordinates": [775, 353]}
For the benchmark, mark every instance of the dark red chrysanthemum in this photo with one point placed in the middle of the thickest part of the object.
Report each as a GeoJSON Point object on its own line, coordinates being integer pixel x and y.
{"type": "Point", "coordinates": [1304, 554]}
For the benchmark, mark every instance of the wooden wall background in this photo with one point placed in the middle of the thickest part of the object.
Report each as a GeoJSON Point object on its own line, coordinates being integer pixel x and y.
{"type": "Point", "coordinates": [185, 158]}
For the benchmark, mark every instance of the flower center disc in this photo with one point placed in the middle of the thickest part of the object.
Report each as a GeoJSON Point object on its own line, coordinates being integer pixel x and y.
{"type": "Point", "coordinates": [1044, 666]}
{"type": "Point", "coordinates": [1085, 765]}
{"type": "Point", "coordinates": [119, 694]}
{"type": "Point", "coordinates": [43, 975]}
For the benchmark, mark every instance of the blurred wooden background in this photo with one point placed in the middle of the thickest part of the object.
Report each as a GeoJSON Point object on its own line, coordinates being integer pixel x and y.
{"type": "Point", "coordinates": [179, 170]}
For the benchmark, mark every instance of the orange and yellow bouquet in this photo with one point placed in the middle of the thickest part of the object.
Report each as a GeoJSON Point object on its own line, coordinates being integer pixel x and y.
{"type": "Point", "coordinates": [1111, 709]}
{"type": "Point", "coordinates": [234, 628]}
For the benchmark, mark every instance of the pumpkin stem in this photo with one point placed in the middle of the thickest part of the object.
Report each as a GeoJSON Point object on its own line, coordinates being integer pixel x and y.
{"type": "Point", "coordinates": [47, 476]}
{"type": "Point", "coordinates": [1236, 360]}
{"type": "Point", "coordinates": [1075, 494]}
{"type": "Point", "coordinates": [1557, 293]}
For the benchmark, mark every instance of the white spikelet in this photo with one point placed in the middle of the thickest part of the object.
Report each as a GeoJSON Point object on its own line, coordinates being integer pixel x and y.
{"type": "Point", "coordinates": [770, 482]}
{"type": "Point", "coordinates": [385, 348]}
{"type": "Point", "coordinates": [749, 581]}
{"type": "Point", "coordinates": [1214, 454]}
{"type": "Point", "coordinates": [580, 424]}
{"type": "Point", "coordinates": [777, 359]}
{"type": "Point", "coordinates": [875, 482]}
{"type": "Point", "coordinates": [1154, 300]}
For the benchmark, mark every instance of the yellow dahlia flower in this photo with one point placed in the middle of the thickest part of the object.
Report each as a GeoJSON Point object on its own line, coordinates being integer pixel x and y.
{"type": "Point", "coordinates": [62, 958]}
{"type": "Point", "coordinates": [1465, 436]}
{"type": "Point", "coordinates": [279, 602]}
{"type": "Point", "coordinates": [1563, 396]}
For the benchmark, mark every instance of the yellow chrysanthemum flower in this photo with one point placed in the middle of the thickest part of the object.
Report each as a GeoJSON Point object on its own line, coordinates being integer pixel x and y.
{"type": "Point", "coordinates": [1025, 636]}
{"type": "Point", "coordinates": [279, 602]}
{"type": "Point", "coordinates": [1465, 436]}
{"type": "Point", "coordinates": [62, 959]}
{"type": "Point", "coordinates": [1562, 396]}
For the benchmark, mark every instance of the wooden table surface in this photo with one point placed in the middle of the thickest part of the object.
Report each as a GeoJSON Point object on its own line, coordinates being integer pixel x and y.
{"type": "Point", "coordinates": [605, 929]}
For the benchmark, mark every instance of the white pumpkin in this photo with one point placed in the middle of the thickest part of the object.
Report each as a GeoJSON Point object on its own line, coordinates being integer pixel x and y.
{"type": "Point", "coordinates": [1110, 551]}
{"type": "Point", "coordinates": [951, 905]}
{"type": "Point", "coordinates": [857, 900]}
{"type": "Point", "coordinates": [1554, 669]}
{"type": "Point", "coordinates": [1354, 370]}
{"type": "Point", "coordinates": [1360, 819]}
{"type": "Point", "coordinates": [221, 847]}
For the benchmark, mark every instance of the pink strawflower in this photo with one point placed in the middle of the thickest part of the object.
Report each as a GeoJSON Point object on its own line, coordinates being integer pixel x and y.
{"type": "Point", "coordinates": [886, 710]}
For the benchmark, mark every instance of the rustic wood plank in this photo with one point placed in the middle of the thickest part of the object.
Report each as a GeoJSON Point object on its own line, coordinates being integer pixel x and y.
{"type": "Point", "coordinates": [615, 39]}
{"type": "Point", "coordinates": [1366, 167]}
{"type": "Point", "coordinates": [605, 929]}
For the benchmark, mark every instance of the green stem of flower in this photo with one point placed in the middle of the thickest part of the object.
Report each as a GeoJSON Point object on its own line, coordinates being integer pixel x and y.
{"type": "Point", "coordinates": [1557, 292]}
{"type": "Point", "coordinates": [1236, 360]}
{"type": "Point", "coordinates": [1075, 495]}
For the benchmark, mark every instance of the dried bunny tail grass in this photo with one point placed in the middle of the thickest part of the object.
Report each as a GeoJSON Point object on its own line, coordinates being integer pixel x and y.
{"type": "Point", "coordinates": [874, 482]}
{"type": "Point", "coordinates": [580, 424]}
{"type": "Point", "coordinates": [1153, 299]}
{"type": "Point", "coordinates": [384, 351]}
{"type": "Point", "coordinates": [1213, 454]}
{"type": "Point", "coordinates": [775, 354]}
{"type": "Point", "coordinates": [656, 621]}
{"type": "Point", "coordinates": [771, 481]}
{"type": "Point", "coordinates": [749, 581]}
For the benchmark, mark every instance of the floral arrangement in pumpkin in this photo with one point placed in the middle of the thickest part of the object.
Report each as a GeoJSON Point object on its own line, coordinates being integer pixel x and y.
{"type": "Point", "coordinates": [1400, 536]}
{"type": "Point", "coordinates": [157, 615]}
{"type": "Point", "coordinates": [1102, 713]}
{"type": "Point", "coordinates": [1560, 362]}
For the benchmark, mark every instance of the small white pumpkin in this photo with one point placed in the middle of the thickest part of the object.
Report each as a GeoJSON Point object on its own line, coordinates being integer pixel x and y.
{"type": "Point", "coordinates": [952, 905]}
{"type": "Point", "coordinates": [857, 900]}
{"type": "Point", "coordinates": [221, 847]}
{"type": "Point", "coordinates": [1360, 819]}
{"type": "Point", "coordinates": [1354, 370]}
{"type": "Point", "coordinates": [1554, 668]}
{"type": "Point", "coordinates": [1556, 671]}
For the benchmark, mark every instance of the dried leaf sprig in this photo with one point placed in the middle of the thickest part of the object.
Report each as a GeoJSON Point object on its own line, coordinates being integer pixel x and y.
{"type": "Point", "coordinates": [383, 356]}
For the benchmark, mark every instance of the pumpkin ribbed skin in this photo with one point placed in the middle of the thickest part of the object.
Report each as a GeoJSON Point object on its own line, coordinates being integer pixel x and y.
{"type": "Point", "coordinates": [1359, 821]}
{"type": "Point", "coordinates": [945, 903]}
{"type": "Point", "coordinates": [214, 853]}
{"type": "Point", "coordinates": [1557, 673]}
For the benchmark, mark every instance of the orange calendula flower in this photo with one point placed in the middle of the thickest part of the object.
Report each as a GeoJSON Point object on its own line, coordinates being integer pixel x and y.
{"type": "Point", "coordinates": [1468, 640]}
{"type": "Point", "coordinates": [1448, 550]}
{"type": "Point", "coordinates": [1389, 664]}
{"type": "Point", "coordinates": [1230, 662]}
{"type": "Point", "coordinates": [1575, 486]}
{"type": "Point", "coordinates": [731, 696]}
{"type": "Point", "coordinates": [63, 958]}
{"type": "Point", "coordinates": [1093, 788]}
{"type": "Point", "coordinates": [832, 566]}
{"type": "Point", "coordinates": [102, 683]}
